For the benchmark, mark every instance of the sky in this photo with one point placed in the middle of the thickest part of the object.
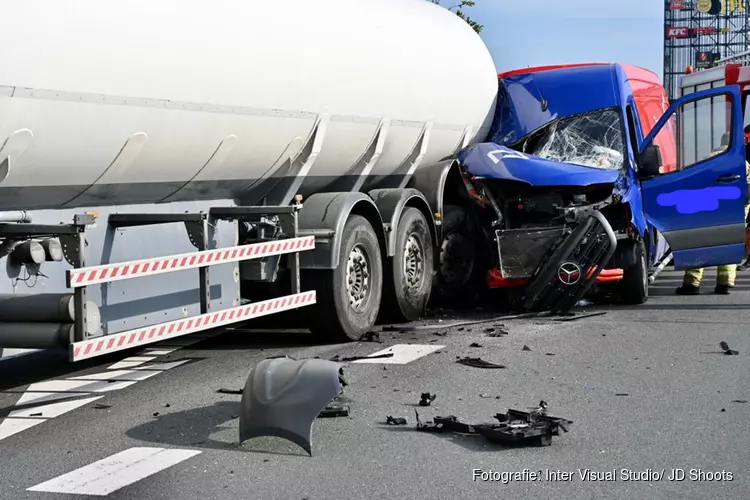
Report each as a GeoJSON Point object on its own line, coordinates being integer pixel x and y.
{"type": "Point", "coordinates": [538, 32]}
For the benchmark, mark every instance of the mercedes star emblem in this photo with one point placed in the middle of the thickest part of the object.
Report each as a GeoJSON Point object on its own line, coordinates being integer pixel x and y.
{"type": "Point", "coordinates": [569, 273]}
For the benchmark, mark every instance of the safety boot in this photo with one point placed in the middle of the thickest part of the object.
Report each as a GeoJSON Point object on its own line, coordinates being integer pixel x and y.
{"type": "Point", "coordinates": [686, 289]}
{"type": "Point", "coordinates": [722, 289]}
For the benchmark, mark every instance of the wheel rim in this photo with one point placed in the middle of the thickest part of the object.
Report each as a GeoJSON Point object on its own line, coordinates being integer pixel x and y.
{"type": "Point", "coordinates": [644, 273]}
{"type": "Point", "coordinates": [413, 264]}
{"type": "Point", "coordinates": [457, 260]}
{"type": "Point", "coordinates": [357, 277]}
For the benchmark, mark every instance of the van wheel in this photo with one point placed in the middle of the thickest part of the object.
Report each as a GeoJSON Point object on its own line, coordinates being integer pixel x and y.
{"type": "Point", "coordinates": [348, 297]}
{"type": "Point", "coordinates": [408, 275]}
{"type": "Point", "coordinates": [633, 288]}
{"type": "Point", "coordinates": [460, 275]}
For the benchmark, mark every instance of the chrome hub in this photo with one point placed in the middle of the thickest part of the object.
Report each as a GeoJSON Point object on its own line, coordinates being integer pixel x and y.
{"type": "Point", "coordinates": [357, 277]}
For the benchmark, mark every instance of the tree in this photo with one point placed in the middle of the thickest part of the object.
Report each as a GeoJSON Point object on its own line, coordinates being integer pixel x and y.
{"type": "Point", "coordinates": [460, 13]}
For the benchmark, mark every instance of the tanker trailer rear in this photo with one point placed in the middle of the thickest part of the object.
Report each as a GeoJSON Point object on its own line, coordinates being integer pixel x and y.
{"type": "Point", "coordinates": [120, 128]}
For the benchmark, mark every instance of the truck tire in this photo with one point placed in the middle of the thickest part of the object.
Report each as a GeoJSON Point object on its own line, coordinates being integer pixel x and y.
{"type": "Point", "coordinates": [460, 274]}
{"type": "Point", "coordinates": [408, 275]}
{"type": "Point", "coordinates": [348, 297]}
{"type": "Point", "coordinates": [633, 288]}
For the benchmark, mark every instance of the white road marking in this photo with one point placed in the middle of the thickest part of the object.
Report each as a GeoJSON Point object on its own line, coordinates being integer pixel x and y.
{"type": "Point", "coordinates": [44, 397]}
{"type": "Point", "coordinates": [131, 362]}
{"type": "Point", "coordinates": [118, 375]}
{"type": "Point", "coordinates": [402, 354]}
{"type": "Point", "coordinates": [11, 426]}
{"type": "Point", "coordinates": [12, 353]}
{"type": "Point", "coordinates": [53, 410]}
{"type": "Point", "coordinates": [79, 386]}
{"type": "Point", "coordinates": [163, 366]}
{"type": "Point", "coordinates": [158, 352]}
{"type": "Point", "coordinates": [115, 472]}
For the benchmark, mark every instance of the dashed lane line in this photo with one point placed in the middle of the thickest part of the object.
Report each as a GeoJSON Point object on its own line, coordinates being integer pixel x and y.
{"type": "Point", "coordinates": [115, 472]}
{"type": "Point", "coordinates": [118, 376]}
{"type": "Point", "coordinates": [402, 354]}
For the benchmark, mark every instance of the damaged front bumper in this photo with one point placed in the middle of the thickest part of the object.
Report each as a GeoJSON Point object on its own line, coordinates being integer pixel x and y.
{"type": "Point", "coordinates": [556, 265]}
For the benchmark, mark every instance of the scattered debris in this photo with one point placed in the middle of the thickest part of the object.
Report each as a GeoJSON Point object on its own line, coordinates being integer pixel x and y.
{"type": "Point", "coordinates": [339, 359]}
{"type": "Point", "coordinates": [334, 409]}
{"type": "Point", "coordinates": [389, 420]}
{"type": "Point", "coordinates": [167, 405]}
{"type": "Point", "coordinates": [99, 406]}
{"type": "Point", "coordinates": [496, 332]}
{"type": "Point", "coordinates": [622, 394]}
{"type": "Point", "coordinates": [549, 353]}
{"type": "Point", "coordinates": [723, 409]}
{"type": "Point", "coordinates": [514, 427]}
{"type": "Point", "coordinates": [427, 399]}
{"type": "Point", "coordinates": [477, 363]}
{"type": "Point", "coordinates": [526, 348]}
{"type": "Point", "coordinates": [229, 391]}
{"type": "Point", "coordinates": [371, 337]}
{"type": "Point", "coordinates": [584, 303]}
{"type": "Point", "coordinates": [399, 329]}
{"type": "Point", "coordinates": [441, 333]}
{"type": "Point", "coordinates": [741, 401]}
{"type": "Point", "coordinates": [725, 347]}
{"type": "Point", "coordinates": [485, 396]}
{"type": "Point", "coordinates": [474, 344]}
{"type": "Point", "coordinates": [156, 413]}
{"type": "Point", "coordinates": [35, 414]}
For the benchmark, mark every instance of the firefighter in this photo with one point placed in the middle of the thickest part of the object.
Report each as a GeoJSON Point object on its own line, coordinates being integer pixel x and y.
{"type": "Point", "coordinates": [726, 274]}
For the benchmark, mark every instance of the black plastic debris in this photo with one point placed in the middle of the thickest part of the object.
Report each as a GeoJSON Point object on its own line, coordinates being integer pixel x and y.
{"type": "Point", "coordinates": [741, 401]}
{"type": "Point", "coordinates": [426, 399]}
{"type": "Point", "coordinates": [725, 347]}
{"type": "Point", "coordinates": [100, 406]}
{"type": "Point", "coordinates": [622, 394]}
{"type": "Point", "coordinates": [549, 353]}
{"type": "Point", "coordinates": [478, 363]}
{"type": "Point", "coordinates": [513, 427]}
{"type": "Point", "coordinates": [229, 391]}
{"type": "Point", "coordinates": [370, 337]}
{"type": "Point", "coordinates": [389, 420]}
{"type": "Point", "coordinates": [526, 348]}
{"type": "Point", "coordinates": [333, 410]}
{"type": "Point", "coordinates": [156, 413]}
{"type": "Point", "coordinates": [339, 359]}
{"type": "Point", "coordinates": [496, 332]}
{"type": "Point", "coordinates": [474, 344]}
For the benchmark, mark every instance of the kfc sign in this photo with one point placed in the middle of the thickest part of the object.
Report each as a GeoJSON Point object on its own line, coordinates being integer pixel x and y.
{"type": "Point", "coordinates": [678, 32]}
{"type": "Point", "coordinates": [678, 5]}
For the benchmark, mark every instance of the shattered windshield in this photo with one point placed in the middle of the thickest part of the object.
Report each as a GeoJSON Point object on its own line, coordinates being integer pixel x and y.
{"type": "Point", "coordinates": [593, 139]}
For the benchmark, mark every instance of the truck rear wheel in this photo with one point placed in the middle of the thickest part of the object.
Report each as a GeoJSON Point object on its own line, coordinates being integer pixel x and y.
{"type": "Point", "coordinates": [348, 297]}
{"type": "Point", "coordinates": [408, 275]}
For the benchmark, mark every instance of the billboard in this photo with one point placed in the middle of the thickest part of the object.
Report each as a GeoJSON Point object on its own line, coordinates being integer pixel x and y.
{"type": "Point", "coordinates": [716, 7]}
{"type": "Point", "coordinates": [678, 5]}
{"type": "Point", "coordinates": [706, 59]}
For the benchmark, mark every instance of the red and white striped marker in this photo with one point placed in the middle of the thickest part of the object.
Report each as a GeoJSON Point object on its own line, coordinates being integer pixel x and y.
{"type": "Point", "coordinates": [133, 338]}
{"type": "Point", "coordinates": [147, 267]}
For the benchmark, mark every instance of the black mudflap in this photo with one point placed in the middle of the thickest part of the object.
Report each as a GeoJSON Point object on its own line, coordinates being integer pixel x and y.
{"type": "Point", "coordinates": [560, 281]}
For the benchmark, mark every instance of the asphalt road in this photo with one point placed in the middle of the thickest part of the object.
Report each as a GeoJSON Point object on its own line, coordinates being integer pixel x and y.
{"type": "Point", "coordinates": [646, 387]}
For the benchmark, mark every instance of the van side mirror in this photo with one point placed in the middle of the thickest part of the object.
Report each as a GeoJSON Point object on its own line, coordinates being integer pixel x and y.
{"type": "Point", "coordinates": [650, 162]}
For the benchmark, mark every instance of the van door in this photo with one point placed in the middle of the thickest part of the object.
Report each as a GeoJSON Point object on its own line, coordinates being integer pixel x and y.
{"type": "Point", "coordinates": [697, 200]}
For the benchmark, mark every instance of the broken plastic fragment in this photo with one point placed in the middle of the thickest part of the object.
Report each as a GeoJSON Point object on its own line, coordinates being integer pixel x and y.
{"type": "Point", "coordinates": [477, 363]}
{"type": "Point", "coordinates": [282, 397]}
{"type": "Point", "coordinates": [427, 399]}
{"type": "Point", "coordinates": [395, 420]}
{"type": "Point", "coordinates": [725, 347]}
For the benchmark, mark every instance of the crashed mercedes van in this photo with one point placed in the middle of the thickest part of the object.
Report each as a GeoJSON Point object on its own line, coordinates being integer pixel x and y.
{"type": "Point", "coordinates": [590, 177]}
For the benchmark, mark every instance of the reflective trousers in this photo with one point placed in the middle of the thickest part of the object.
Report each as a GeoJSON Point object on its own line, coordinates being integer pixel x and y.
{"type": "Point", "coordinates": [725, 275]}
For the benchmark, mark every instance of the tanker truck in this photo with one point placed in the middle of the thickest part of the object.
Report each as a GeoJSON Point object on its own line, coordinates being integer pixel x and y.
{"type": "Point", "coordinates": [175, 166]}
